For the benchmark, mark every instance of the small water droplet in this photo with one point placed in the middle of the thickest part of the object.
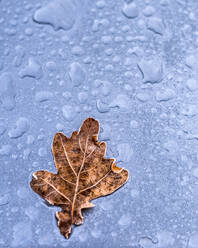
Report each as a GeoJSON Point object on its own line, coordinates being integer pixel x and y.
{"type": "Point", "coordinates": [82, 97]}
{"type": "Point", "coordinates": [165, 95]}
{"type": "Point", "coordinates": [43, 96]}
{"type": "Point", "coordinates": [5, 150]}
{"type": "Point", "coordinates": [143, 96]}
{"type": "Point", "coordinates": [68, 112]}
{"type": "Point", "coordinates": [42, 152]}
{"type": "Point", "coordinates": [77, 74]}
{"type": "Point", "coordinates": [125, 220]}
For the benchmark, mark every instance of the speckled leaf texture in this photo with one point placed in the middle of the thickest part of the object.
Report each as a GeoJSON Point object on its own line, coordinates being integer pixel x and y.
{"type": "Point", "coordinates": [83, 174]}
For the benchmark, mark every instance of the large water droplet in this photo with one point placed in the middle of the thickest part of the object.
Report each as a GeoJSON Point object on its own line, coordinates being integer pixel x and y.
{"type": "Point", "coordinates": [130, 10]}
{"type": "Point", "coordinates": [156, 25]}
{"type": "Point", "coordinates": [33, 69]}
{"type": "Point", "coordinates": [192, 84]}
{"type": "Point", "coordinates": [60, 14]}
{"type": "Point", "coordinates": [152, 70]}
{"type": "Point", "coordinates": [21, 127]}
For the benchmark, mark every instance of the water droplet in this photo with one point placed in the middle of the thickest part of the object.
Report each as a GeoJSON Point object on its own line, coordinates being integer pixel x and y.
{"type": "Point", "coordinates": [125, 220]}
{"type": "Point", "coordinates": [125, 152]}
{"type": "Point", "coordinates": [51, 66]}
{"type": "Point", "coordinates": [134, 124]}
{"type": "Point", "coordinates": [106, 87]}
{"type": "Point", "coordinates": [5, 150]}
{"type": "Point", "coordinates": [68, 112]}
{"type": "Point", "coordinates": [192, 84]}
{"type": "Point", "coordinates": [148, 10]}
{"type": "Point", "coordinates": [10, 31]}
{"type": "Point", "coordinates": [156, 25]}
{"type": "Point", "coordinates": [152, 70]}
{"type": "Point", "coordinates": [101, 106]}
{"type": "Point", "coordinates": [171, 146]}
{"type": "Point", "coordinates": [4, 199]}
{"type": "Point", "coordinates": [29, 31]}
{"type": "Point", "coordinates": [67, 95]}
{"type": "Point", "coordinates": [77, 50]}
{"type": "Point", "coordinates": [143, 96]}
{"type": "Point", "coordinates": [191, 61]}
{"type": "Point", "coordinates": [30, 139]}
{"type": "Point", "coordinates": [42, 152]}
{"type": "Point", "coordinates": [33, 69]}
{"type": "Point", "coordinates": [59, 127]}
{"type": "Point", "coordinates": [20, 53]}
{"type": "Point", "coordinates": [106, 39]}
{"type": "Point", "coordinates": [134, 193]}
{"type": "Point", "coordinates": [147, 242]}
{"type": "Point", "coordinates": [77, 73]}
{"type": "Point", "coordinates": [26, 154]}
{"type": "Point", "coordinates": [100, 4]}
{"type": "Point", "coordinates": [165, 239]}
{"type": "Point", "coordinates": [7, 91]}
{"type": "Point", "coordinates": [60, 14]}
{"type": "Point", "coordinates": [121, 101]}
{"type": "Point", "coordinates": [43, 96]}
{"type": "Point", "coordinates": [82, 97]}
{"type": "Point", "coordinates": [165, 95]}
{"type": "Point", "coordinates": [130, 10]}
{"type": "Point", "coordinates": [106, 132]}
{"type": "Point", "coordinates": [189, 110]}
{"type": "Point", "coordinates": [21, 127]}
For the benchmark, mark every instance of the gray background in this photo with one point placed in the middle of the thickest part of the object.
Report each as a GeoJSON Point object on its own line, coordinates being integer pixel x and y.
{"type": "Point", "coordinates": [132, 65]}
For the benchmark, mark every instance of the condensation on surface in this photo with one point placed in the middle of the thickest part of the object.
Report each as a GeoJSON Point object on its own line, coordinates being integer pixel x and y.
{"type": "Point", "coordinates": [132, 65]}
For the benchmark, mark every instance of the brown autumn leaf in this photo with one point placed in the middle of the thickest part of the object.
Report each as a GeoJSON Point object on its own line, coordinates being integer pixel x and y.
{"type": "Point", "coordinates": [83, 175]}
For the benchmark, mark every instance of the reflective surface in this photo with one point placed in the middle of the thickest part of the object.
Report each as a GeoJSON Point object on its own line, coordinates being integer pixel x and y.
{"type": "Point", "coordinates": [133, 66]}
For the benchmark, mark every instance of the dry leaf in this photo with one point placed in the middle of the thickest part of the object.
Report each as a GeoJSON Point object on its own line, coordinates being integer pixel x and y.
{"type": "Point", "coordinates": [83, 175]}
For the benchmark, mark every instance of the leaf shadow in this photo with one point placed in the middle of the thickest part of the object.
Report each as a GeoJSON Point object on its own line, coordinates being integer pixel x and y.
{"type": "Point", "coordinates": [87, 211]}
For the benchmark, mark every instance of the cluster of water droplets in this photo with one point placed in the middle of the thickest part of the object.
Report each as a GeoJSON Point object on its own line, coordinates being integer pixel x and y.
{"type": "Point", "coordinates": [133, 66]}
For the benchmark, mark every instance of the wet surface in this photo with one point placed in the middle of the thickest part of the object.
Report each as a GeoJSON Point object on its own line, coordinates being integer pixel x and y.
{"type": "Point", "coordinates": [132, 65]}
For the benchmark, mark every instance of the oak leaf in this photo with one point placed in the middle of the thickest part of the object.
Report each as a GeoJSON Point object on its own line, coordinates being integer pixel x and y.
{"type": "Point", "coordinates": [83, 174]}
